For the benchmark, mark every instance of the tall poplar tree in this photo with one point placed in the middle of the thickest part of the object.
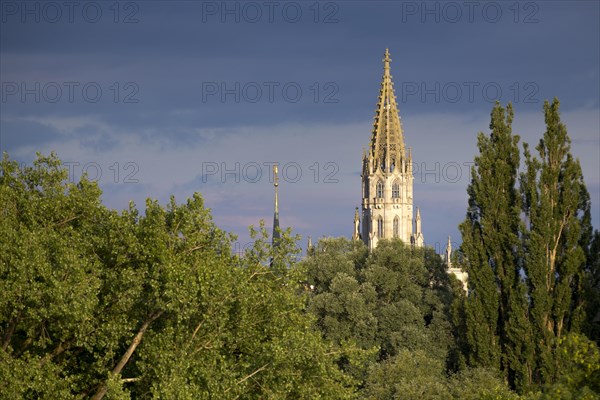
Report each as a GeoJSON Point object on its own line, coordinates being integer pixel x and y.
{"type": "Point", "coordinates": [490, 241]}
{"type": "Point", "coordinates": [591, 285]}
{"type": "Point", "coordinates": [556, 207]}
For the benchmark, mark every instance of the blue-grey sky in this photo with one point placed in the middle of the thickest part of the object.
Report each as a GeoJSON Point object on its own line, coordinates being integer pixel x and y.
{"type": "Point", "coordinates": [154, 98]}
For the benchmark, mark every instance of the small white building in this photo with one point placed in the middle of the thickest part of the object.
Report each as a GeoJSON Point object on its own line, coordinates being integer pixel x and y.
{"type": "Point", "coordinates": [458, 272]}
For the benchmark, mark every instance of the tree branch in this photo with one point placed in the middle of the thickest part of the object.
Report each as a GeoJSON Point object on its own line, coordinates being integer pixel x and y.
{"type": "Point", "coordinates": [193, 249]}
{"type": "Point", "coordinates": [130, 350]}
{"type": "Point", "coordinates": [249, 376]}
{"type": "Point", "coordinates": [57, 351]}
{"type": "Point", "coordinates": [66, 220]}
{"type": "Point", "coordinates": [9, 332]}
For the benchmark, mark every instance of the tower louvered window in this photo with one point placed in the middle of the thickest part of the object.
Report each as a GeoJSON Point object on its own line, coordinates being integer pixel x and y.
{"type": "Point", "coordinates": [379, 190]}
{"type": "Point", "coordinates": [396, 190]}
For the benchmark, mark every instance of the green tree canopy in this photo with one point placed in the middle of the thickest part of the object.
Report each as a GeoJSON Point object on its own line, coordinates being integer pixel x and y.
{"type": "Point", "coordinates": [101, 303]}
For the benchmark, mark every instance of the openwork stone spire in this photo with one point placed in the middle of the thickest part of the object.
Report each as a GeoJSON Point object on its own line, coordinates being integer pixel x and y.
{"type": "Point", "coordinates": [387, 139]}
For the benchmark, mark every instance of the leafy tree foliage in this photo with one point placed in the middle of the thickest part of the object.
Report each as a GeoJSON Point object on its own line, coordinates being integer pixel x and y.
{"type": "Point", "coordinates": [410, 375]}
{"type": "Point", "coordinates": [495, 308]}
{"type": "Point", "coordinates": [591, 290]}
{"type": "Point", "coordinates": [529, 283]}
{"type": "Point", "coordinates": [479, 384]}
{"type": "Point", "coordinates": [407, 298]}
{"type": "Point", "coordinates": [556, 205]}
{"type": "Point", "coordinates": [395, 299]}
{"type": "Point", "coordinates": [98, 303]}
{"type": "Point", "coordinates": [578, 360]}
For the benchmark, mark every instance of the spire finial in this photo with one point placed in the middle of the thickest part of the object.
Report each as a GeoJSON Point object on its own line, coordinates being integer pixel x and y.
{"type": "Point", "coordinates": [276, 234]}
{"type": "Point", "coordinates": [276, 184]}
{"type": "Point", "coordinates": [386, 62]}
{"type": "Point", "coordinates": [449, 253]}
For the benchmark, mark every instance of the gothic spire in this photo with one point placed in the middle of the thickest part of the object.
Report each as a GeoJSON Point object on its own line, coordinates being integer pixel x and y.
{"type": "Point", "coordinates": [387, 139]}
{"type": "Point", "coordinates": [418, 238]}
{"type": "Point", "coordinates": [309, 247]}
{"type": "Point", "coordinates": [449, 253]}
{"type": "Point", "coordinates": [356, 234]}
{"type": "Point", "coordinates": [276, 232]}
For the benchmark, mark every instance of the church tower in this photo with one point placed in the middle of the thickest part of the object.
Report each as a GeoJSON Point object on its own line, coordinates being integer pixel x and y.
{"type": "Point", "coordinates": [387, 176]}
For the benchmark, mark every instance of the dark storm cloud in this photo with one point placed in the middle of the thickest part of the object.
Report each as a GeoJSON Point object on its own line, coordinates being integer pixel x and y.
{"type": "Point", "coordinates": [184, 82]}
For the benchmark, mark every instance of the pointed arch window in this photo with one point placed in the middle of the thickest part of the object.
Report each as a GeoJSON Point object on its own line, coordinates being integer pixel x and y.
{"type": "Point", "coordinates": [379, 189]}
{"type": "Point", "coordinates": [396, 190]}
{"type": "Point", "coordinates": [380, 227]}
{"type": "Point", "coordinates": [396, 226]}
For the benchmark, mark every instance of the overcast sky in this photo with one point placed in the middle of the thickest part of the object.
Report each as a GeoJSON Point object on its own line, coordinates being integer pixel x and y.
{"type": "Point", "coordinates": [154, 98]}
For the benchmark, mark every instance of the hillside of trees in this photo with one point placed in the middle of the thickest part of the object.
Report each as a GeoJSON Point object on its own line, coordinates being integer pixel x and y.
{"type": "Point", "coordinates": [152, 303]}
